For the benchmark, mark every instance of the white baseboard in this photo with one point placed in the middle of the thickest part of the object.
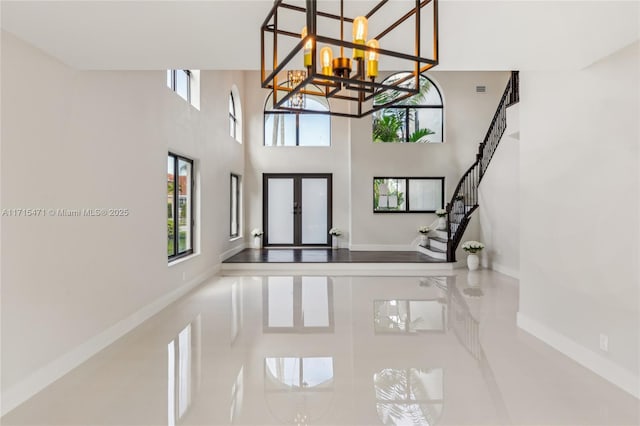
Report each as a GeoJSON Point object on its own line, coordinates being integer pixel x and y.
{"type": "Point", "coordinates": [504, 270]}
{"type": "Point", "coordinates": [43, 377]}
{"type": "Point", "coordinates": [382, 247]}
{"type": "Point", "coordinates": [231, 252]}
{"type": "Point", "coordinates": [595, 362]}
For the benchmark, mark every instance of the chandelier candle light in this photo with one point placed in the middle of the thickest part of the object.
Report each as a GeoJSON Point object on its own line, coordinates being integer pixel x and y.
{"type": "Point", "coordinates": [350, 76]}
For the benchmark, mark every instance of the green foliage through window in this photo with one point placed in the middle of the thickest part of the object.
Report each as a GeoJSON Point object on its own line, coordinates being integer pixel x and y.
{"type": "Point", "coordinates": [418, 118]}
{"type": "Point", "coordinates": [179, 206]}
{"type": "Point", "coordinates": [408, 194]}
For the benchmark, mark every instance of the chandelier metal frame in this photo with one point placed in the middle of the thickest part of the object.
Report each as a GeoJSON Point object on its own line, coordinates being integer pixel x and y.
{"type": "Point", "coordinates": [344, 83]}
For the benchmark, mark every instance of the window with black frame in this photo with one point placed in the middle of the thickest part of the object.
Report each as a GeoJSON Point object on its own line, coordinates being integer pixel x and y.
{"type": "Point", "coordinates": [179, 206]}
{"type": "Point", "coordinates": [408, 194]}
{"type": "Point", "coordinates": [235, 206]}
{"type": "Point", "coordinates": [418, 118]}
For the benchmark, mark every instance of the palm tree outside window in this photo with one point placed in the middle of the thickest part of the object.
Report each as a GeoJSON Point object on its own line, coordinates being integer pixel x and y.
{"type": "Point", "coordinates": [418, 118]}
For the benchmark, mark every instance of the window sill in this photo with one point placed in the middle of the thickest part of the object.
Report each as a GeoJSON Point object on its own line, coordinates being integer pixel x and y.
{"type": "Point", "coordinates": [239, 237]}
{"type": "Point", "coordinates": [182, 259]}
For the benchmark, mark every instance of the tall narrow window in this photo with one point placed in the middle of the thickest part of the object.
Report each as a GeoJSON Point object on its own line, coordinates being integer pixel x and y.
{"type": "Point", "coordinates": [235, 114]}
{"type": "Point", "coordinates": [233, 119]}
{"type": "Point", "coordinates": [179, 206]}
{"type": "Point", "coordinates": [180, 82]}
{"type": "Point", "coordinates": [418, 118]}
{"type": "Point", "coordinates": [235, 206]}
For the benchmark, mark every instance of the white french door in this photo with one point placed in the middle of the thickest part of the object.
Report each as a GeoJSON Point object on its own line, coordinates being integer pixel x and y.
{"type": "Point", "coordinates": [297, 209]}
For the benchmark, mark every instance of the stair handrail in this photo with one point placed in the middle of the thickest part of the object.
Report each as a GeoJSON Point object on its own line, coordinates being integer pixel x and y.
{"type": "Point", "coordinates": [465, 196]}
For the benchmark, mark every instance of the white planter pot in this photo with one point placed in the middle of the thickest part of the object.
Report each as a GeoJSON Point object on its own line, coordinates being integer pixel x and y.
{"type": "Point", "coordinates": [442, 223]}
{"type": "Point", "coordinates": [334, 242]}
{"type": "Point", "coordinates": [424, 240]}
{"type": "Point", "coordinates": [473, 262]}
{"type": "Point", "coordinates": [257, 242]}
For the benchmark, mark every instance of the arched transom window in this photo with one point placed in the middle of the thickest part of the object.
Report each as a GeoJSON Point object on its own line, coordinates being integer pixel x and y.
{"type": "Point", "coordinates": [418, 118]}
{"type": "Point", "coordinates": [235, 114]}
{"type": "Point", "coordinates": [290, 128]}
{"type": "Point", "coordinates": [233, 120]}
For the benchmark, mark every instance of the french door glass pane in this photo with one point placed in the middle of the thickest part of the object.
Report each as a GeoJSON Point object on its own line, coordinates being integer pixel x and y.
{"type": "Point", "coordinates": [184, 206]}
{"type": "Point", "coordinates": [171, 181]}
{"type": "Point", "coordinates": [314, 211]}
{"type": "Point", "coordinates": [425, 194]}
{"type": "Point", "coordinates": [280, 211]}
{"type": "Point", "coordinates": [315, 302]}
{"type": "Point", "coordinates": [280, 303]}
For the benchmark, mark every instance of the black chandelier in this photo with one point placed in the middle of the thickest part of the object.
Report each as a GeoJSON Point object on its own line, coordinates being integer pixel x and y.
{"type": "Point", "coordinates": [341, 77]}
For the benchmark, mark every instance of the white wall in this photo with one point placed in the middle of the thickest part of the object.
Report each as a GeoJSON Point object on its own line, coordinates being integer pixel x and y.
{"type": "Point", "coordinates": [499, 212]}
{"type": "Point", "coordinates": [74, 139]}
{"type": "Point", "coordinates": [354, 160]}
{"type": "Point", "coordinates": [467, 118]}
{"type": "Point", "coordinates": [579, 212]}
{"type": "Point", "coordinates": [283, 159]}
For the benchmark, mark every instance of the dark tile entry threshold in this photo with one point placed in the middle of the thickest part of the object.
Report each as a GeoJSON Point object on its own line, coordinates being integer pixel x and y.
{"type": "Point", "coordinates": [328, 256]}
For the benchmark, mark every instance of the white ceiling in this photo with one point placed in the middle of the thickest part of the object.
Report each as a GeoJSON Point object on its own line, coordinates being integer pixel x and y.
{"type": "Point", "coordinates": [223, 34]}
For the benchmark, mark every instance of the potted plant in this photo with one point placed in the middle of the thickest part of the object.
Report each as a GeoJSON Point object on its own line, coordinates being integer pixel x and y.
{"type": "Point", "coordinates": [257, 237]}
{"type": "Point", "coordinates": [423, 230]}
{"type": "Point", "coordinates": [335, 233]}
{"type": "Point", "coordinates": [472, 247]}
{"type": "Point", "coordinates": [442, 219]}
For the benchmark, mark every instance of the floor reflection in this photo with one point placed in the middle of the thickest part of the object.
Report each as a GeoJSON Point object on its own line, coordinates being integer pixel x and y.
{"type": "Point", "coordinates": [297, 304]}
{"type": "Point", "coordinates": [236, 311]}
{"type": "Point", "coordinates": [298, 390]}
{"type": "Point", "coordinates": [409, 316]}
{"type": "Point", "coordinates": [237, 394]}
{"type": "Point", "coordinates": [183, 355]}
{"type": "Point", "coordinates": [319, 350]}
{"type": "Point", "coordinates": [286, 373]}
{"type": "Point", "coordinates": [410, 396]}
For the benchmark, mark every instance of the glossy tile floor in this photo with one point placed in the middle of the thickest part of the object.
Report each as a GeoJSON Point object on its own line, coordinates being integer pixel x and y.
{"type": "Point", "coordinates": [315, 350]}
